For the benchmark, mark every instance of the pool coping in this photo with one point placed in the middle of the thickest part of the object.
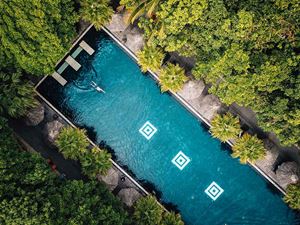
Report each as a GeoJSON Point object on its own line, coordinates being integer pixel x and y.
{"type": "Point", "coordinates": [180, 99]}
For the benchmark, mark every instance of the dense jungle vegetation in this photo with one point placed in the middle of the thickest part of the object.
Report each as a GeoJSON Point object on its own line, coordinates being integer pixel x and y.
{"type": "Point", "coordinates": [247, 50]}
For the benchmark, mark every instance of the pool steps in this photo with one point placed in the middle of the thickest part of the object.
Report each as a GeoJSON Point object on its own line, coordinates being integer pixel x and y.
{"type": "Point", "coordinates": [76, 52]}
{"type": "Point", "coordinates": [59, 78]}
{"type": "Point", "coordinates": [70, 60]}
{"type": "Point", "coordinates": [62, 67]}
{"type": "Point", "coordinates": [86, 47]}
{"type": "Point", "coordinates": [73, 63]}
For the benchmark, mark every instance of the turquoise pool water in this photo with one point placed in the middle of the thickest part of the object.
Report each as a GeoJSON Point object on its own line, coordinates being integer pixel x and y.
{"type": "Point", "coordinates": [131, 100]}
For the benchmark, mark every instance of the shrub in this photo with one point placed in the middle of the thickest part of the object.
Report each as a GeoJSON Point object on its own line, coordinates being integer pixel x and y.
{"type": "Point", "coordinates": [248, 148]}
{"type": "Point", "coordinates": [17, 95]}
{"type": "Point", "coordinates": [225, 127]}
{"type": "Point", "coordinates": [150, 58]}
{"type": "Point", "coordinates": [97, 12]}
{"type": "Point", "coordinates": [147, 211]}
{"type": "Point", "coordinates": [171, 219]}
{"type": "Point", "coordinates": [292, 197]}
{"type": "Point", "coordinates": [72, 142]}
{"type": "Point", "coordinates": [95, 162]}
{"type": "Point", "coordinates": [172, 77]}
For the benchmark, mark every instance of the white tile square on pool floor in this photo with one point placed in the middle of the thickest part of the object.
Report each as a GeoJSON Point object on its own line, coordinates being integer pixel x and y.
{"type": "Point", "coordinates": [180, 160]}
{"type": "Point", "coordinates": [214, 191]}
{"type": "Point", "coordinates": [147, 130]}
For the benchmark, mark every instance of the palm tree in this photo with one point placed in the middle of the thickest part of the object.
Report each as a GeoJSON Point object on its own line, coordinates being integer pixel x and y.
{"type": "Point", "coordinates": [172, 77]}
{"type": "Point", "coordinates": [225, 127]}
{"type": "Point", "coordinates": [147, 211]}
{"type": "Point", "coordinates": [138, 8]}
{"type": "Point", "coordinates": [95, 162]}
{"type": "Point", "coordinates": [16, 95]}
{"type": "Point", "coordinates": [72, 142]}
{"type": "Point", "coordinates": [97, 12]}
{"type": "Point", "coordinates": [292, 197]}
{"type": "Point", "coordinates": [248, 148]}
{"type": "Point", "coordinates": [150, 58]}
{"type": "Point", "coordinates": [171, 219]}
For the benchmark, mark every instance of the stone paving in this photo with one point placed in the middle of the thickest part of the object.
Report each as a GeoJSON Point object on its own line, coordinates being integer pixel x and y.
{"type": "Point", "coordinates": [194, 93]}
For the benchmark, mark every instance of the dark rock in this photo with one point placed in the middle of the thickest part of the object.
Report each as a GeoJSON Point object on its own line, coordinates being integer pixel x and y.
{"type": "Point", "coordinates": [287, 173]}
{"type": "Point", "coordinates": [52, 130]}
{"type": "Point", "coordinates": [111, 179]}
{"type": "Point", "coordinates": [129, 196]}
{"type": "Point", "coordinates": [35, 115]}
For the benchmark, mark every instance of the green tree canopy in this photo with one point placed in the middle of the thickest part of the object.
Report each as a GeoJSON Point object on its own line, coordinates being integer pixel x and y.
{"type": "Point", "coordinates": [30, 193]}
{"type": "Point", "coordinates": [72, 142]}
{"type": "Point", "coordinates": [225, 127]}
{"type": "Point", "coordinates": [138, 8]}
{"type": "Point", "coordinates": [172, 77]}
{"type": "Point", "coordinates": [248, 51]}
{"type": "Point", "coordinates": [147, 211]}
{"type": "Point", "coordinates": [171, 219]}
{"type": "Point", "coordinates": [97, 12]}
{"type": "Point", "coordinates": [16, 95]}
{"type": "Point", "coordinates": [36, 33]}
{"type": "Point", "coordinates": [95, 162]}
{"type": "Point", "coordinates": [292, 197]}
{"type": "Point", "coordinates": [150, 58]}
{"type": "Point", "coordinates": [248, 148]}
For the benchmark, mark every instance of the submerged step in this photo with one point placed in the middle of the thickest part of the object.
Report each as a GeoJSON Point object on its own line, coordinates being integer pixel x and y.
{"type": "Point", "coordinates": [62, 68]}
{"type": "Point", "coordinates": [76, 52]}
{"type": "Point", "coordinates": [73, 63]}
{"type": "Point", "coordinates": [86, 47]}
{"type": "Point", "coordinates": [59, 78]}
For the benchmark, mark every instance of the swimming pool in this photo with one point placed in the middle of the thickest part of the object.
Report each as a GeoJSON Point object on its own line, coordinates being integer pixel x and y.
{"type": "Point", "coordinates": [161, 142]}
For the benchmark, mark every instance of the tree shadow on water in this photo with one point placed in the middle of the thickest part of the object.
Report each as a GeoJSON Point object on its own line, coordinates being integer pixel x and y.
{"type": "Point", "coordinates": [90, 131]}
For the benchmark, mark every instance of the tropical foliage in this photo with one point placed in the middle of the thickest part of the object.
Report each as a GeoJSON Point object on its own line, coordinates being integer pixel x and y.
{"type": "Point", "coordinates": [171, 219]}
{"type": "Point", "coordinates": [72, 142]}
{"type": "Point", "coordinates": [147, 211]}
{"type": "Point", "coordinates": [95, 162]}
{"type": "Point", "coordinates": [172, 77]}
{"type": "Point", "coordinates": [225, 127]}
{"type": "Point", "coordinates": [36, 34]}
{"type": "Point", "coordinates": [247, 51]}
{"type": "Point", "coordinates": [292, 197]}
{"type": "Point", "coordinates": [248, 148]}
{"type": "Point", "coordinates": [150, 58]}
{"type": "Point", "coordinates": [138, 8]}
{"type": "Point", "coordinates": [97, 12]}
{"type": "Point", "coordinates": [16, 96]}
{"type": "Point", "coordinates": [31, 194]}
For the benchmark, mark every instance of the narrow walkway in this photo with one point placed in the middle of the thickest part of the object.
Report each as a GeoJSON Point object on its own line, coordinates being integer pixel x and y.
{"type": "Point", "coordinates": [34, 137]}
